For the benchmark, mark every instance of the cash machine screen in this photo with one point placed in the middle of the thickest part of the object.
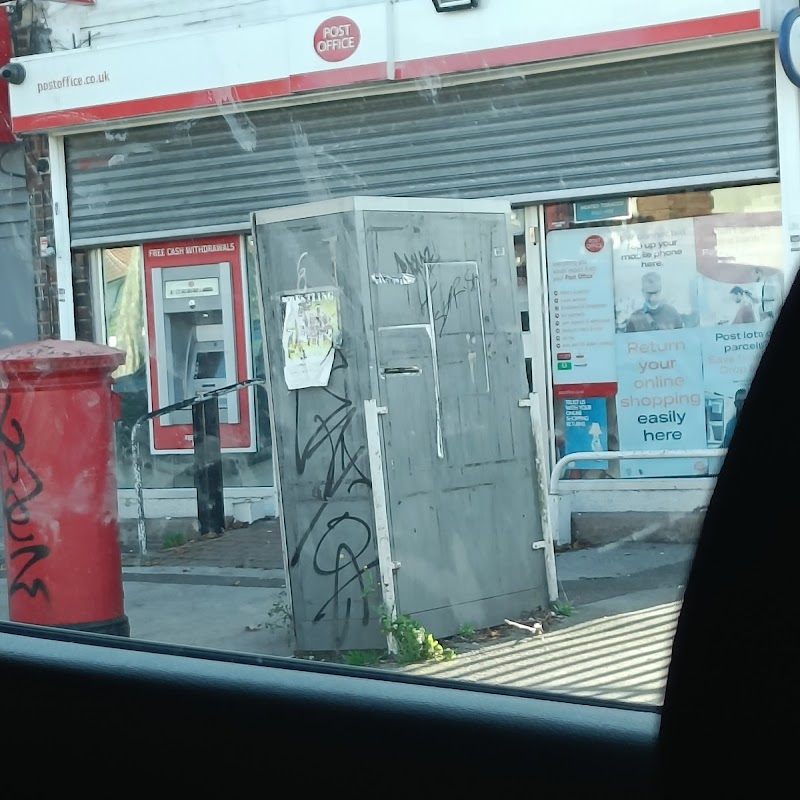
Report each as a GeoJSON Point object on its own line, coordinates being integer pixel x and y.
{"type": "Point", "coordinates": [209, 365]}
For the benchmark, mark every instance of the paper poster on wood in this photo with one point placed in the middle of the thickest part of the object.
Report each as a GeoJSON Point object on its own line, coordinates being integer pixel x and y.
{"type": "Point", "coordinates": [311, 333]}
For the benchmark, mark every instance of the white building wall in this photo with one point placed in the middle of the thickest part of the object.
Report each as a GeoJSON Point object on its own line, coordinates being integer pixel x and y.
{"type": "Point", "coordinates": [420, 30]}
{"type": "Point", "coordinates": [112, 22]}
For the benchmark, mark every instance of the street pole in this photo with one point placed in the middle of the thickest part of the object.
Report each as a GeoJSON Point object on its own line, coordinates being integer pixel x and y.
{"type": "Point", "coordinates": [208, 467]}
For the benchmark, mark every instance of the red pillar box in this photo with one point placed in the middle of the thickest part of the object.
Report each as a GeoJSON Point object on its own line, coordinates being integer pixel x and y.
{"type": "Point", "coordinates": [59, 489]}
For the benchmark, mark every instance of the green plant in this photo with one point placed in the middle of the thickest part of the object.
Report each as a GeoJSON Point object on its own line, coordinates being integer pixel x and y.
{"type": "Point", "coordinates": [361, 658]}
{"type": "Point", "coordinates": [466, 631]}
{"type": "Point", "coordinates": [280, 613]}
{"type": "Point", "coordinates": [369, 585]}
{"type": "Point", "coordinates": [172, 540]}
{"type": "Point", "coordinates": [563, 609]}
{"type": "Point", "coordinates": [413, 642]}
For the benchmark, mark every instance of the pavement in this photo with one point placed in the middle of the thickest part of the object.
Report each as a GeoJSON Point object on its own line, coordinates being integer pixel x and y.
{"type": "Point", "coordinates": [218, 617]}
{"type": "Point", "coordinates": [625, 598]}
{"type": "Point", "coordinates": [228, 593]}
{"type": "Point", "coordinates": [219, 593]}
{"type": "Point", "coordinates": [589, 575]}
{"type": "Point", "coordinates": [619, 656]}
{"type": "Point", "coordinates": [257, 546]}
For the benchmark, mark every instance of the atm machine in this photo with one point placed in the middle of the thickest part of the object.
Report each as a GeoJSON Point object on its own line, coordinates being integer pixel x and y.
{"type": "Point", "coordinates": [199, 342]}
{"type": "Point", "coordinates": [193, 312]}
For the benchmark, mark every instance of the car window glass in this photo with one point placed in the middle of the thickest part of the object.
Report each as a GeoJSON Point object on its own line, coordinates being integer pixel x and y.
{"type": "Point", "coordinates": [404, 334]}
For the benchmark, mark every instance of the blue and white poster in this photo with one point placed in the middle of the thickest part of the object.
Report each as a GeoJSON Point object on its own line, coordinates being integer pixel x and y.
{"type": "Point", "coordinates": [730, 355]}
{"type": "Point", "coordinates": [661, 401]}
{"type": "Point", "coordinates": [738, 304]}
{"type": "Point", "coordinates": [586, 429]}
{"type": "Point", "coordinates": [581, 311]}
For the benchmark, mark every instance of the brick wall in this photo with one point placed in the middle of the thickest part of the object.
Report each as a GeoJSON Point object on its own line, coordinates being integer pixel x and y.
{"type": "Point", "coordinates": [41, 205]}
{"type": "Point", "coordinates": [681, 204]}
{"type": "Point", "coordinates": [31, 36]}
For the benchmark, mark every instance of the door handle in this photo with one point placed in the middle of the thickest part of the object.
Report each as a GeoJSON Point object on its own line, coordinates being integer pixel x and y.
{"type": "Point", "coordinates": [402, 371]}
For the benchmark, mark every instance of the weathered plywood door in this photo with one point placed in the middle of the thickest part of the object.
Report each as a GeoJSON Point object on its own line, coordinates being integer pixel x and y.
{"type": "Point", "coordinates": [319, 438]}
{"type": "Point", "coordinates": [458, 452]}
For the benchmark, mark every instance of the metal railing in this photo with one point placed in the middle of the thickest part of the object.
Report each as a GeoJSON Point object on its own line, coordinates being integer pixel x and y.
{"type": "Point", "coordinates": [141, 529]}
{"type": "Point", "coordinates": [556, 490]}
{"type": "Point", "coordinates": [619, 455]}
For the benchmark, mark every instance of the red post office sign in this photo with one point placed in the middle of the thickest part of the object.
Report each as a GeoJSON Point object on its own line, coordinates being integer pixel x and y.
{"type": "Point", "coordinates": [336, 39]}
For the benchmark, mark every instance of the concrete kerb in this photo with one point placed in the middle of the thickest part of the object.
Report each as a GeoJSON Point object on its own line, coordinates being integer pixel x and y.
{"type": "Point", "coordinates": [208, 576]}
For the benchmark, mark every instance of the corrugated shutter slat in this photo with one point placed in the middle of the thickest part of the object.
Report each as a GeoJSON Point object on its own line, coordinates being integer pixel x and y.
{"type": "Point", "coordinates": [671, 117]}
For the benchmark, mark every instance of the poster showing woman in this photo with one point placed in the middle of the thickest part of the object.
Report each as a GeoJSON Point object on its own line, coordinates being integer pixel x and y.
{"type": "Point", "coordinates": [739, 294]}
{"type": "Point", "coordinates": [739, 301]}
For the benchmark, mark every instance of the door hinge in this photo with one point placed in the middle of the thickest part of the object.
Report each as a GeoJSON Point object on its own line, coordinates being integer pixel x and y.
{"type": "Point", "coordinates": [525, 402]}
{"type": "Point", "coordinates": [396, 565]}
{"type": "Point", "coordinates": [539, 545]}
{"type": "Point", "coordinates": [381, 410]}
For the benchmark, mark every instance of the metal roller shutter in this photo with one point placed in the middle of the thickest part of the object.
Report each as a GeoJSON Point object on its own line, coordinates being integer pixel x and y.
{"type": "Point", "coordinates": [670, 117]}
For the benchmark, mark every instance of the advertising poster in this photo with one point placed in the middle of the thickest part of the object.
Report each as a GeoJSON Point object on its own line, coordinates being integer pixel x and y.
{"type": "Point", "coordinates": [311, 333]}
{"type": "Point", "coordinates": [689, 309]}
{"type": "Point", "coordinates": [731, 354]}
{"type": "Point", "coordinates": [655, 276]}
{"type": "Point", "coordinates": [586, 429]}
{"type": "Point", "coordinates": [740, 291]}
{"type": "Point", "coordinates": [738, 305]}
{"type": "Point", "coordinates": [661, 404]}
{"type": "Point", "coordinates": [582, 313]}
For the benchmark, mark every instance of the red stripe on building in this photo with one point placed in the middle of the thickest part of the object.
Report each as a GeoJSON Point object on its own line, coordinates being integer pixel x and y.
{"type": "Point", "coordinates": [462, 62]}
{"type": "Point", "coordinates": [582, 45]}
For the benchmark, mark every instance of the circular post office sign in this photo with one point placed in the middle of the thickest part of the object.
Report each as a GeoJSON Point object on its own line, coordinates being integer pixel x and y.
{"type": "Point", "coordinates": [337, 39]}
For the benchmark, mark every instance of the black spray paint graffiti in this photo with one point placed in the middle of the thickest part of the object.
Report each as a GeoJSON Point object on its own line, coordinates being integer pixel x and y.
{"type": "Point", "coordinates": [24, 486]}
{"type": "Point", "coordinates": [414, 263]}
{"type": "Point", "coordinates": [459, 286]}
{"type": "Point", "coordinates": [345, 537]}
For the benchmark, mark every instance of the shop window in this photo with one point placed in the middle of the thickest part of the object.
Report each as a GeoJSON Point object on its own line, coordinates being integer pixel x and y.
{"type": "Point", "coordinates": [660, 307]}
{"type": "Point", "coordinates": [122, 276]}
{"type": "Point", "coordinates": [124, 316]}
